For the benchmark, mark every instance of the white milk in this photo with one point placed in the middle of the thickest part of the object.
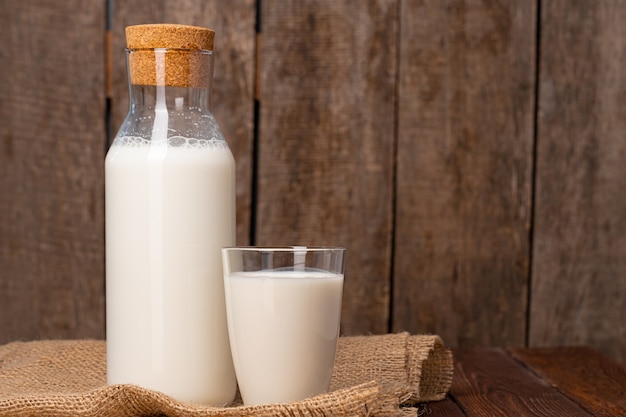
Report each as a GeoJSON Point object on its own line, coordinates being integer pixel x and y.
{"type": "Point", "coordinates": [169, 211]}
{"type": "Point", "coordinates": [283, 331]}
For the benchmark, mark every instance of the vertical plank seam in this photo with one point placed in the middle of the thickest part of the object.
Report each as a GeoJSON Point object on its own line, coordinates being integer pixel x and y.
{"type": "Point", "coordinates": [108, 67]}
{"type": "Point", "coordinates": [256, 119]}
{"type": "Point", "coordinates": [108, 117]}
{"type": "Point", "coordinates": [533, 172]}
{"type": "Point", "coordinates": [394, 170]}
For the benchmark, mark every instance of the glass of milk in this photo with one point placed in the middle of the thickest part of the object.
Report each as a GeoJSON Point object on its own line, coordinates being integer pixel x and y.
{"type": "Point", "coordinates": [283, 310]}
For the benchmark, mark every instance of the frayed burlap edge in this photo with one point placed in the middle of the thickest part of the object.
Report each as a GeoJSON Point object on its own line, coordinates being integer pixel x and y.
{"type": "Point", "coordinates": [131, 401]}
{"type": "Point", "coordinates": [429, 368]}
{"type": "Point", "coordinates": [414, 368]}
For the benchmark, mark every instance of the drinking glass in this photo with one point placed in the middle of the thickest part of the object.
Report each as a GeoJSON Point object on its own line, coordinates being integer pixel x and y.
{"type": "Point", "coordinates": [283, 308]}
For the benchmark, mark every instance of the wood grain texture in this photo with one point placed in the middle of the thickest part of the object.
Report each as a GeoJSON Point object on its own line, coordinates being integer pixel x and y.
{"type": "Point", "coordinates": [326, 141]}
{"type": "Point", "coordinates": [233, 82]}
{"type": "Point", "coordinates": [591, 379]}
{"type": "Point", "coordinates": [465, 149]}
{"type": "Point", "coordinates": [487, 382]}
{"type": "Point", "coordinates": [444, 408]}
{"type": "Point", "coordinates": [52, 146]}
{"type": "Point", "coordinates": [579, 252]}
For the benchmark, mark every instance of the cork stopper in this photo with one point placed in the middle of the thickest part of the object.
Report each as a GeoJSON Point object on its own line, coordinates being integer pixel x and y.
{"type": "Point", "coordinates": [169, 36]}
{"type": "Point", "coordinates": [186, 61]}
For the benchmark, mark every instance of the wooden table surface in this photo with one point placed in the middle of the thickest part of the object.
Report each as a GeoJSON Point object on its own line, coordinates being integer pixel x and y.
{"type": "Point", "coordinates": [563, 381]}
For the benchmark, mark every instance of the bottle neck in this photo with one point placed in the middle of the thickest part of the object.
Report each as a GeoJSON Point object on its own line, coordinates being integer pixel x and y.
{"type": "Point", "coordinates": [170, 93]}
{"type": "Point", "coordinates": [176, 79]}
{"type": "Point", "coordinates": [175, 99]}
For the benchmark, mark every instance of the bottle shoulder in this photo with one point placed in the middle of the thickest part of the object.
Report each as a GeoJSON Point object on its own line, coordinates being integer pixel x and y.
{"type": "Point", "coordinates": [190, 124]}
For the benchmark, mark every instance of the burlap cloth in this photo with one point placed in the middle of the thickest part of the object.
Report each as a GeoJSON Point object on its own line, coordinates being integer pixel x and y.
{"type": "Point", "coordinates": [373, 376]}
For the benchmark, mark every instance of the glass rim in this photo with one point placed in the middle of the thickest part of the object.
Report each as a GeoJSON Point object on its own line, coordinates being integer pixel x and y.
{"type": "Point", "coordinates": [284, 248]}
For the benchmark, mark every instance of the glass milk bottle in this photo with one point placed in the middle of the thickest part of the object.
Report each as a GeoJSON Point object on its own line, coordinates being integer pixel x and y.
{"type": "Point", "coordinates": [170, 208]}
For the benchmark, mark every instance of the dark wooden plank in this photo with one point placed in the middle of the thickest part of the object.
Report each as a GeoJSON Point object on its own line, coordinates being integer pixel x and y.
{"type": "Point", "coordinates": [327, 138]}
{"type": "Point", "coordinates": [588, 377]}
{"type": "Point", "coordinates": [487, 382]}
{"type": "Point", "coordinates": [465, 148]}
{"type": "Point", "coordinates": [233, 81]}
{"type": "Point", "coordinates": [579, 250]}
{"type": "Point", "coordinates": [444, 408]}
{"type": "Point", "coordinates": [51, 169]}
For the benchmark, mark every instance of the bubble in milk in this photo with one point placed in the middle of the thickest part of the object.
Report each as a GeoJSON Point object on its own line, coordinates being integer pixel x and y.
{"type": "Point", "coordinates": [173, 142]}
{"type": "Point", "coordinates": [177, 141]}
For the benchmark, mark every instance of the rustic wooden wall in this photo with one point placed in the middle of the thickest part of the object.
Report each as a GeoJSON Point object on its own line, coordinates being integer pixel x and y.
{"type": "Point", "coordinates": [52, 129]}
{"type": "Point", "coordinates": [578, 289]}
{"type": "Point", "coordinates": [468, 154]}
{"type": "Point", "coordinates": [464, 174]}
